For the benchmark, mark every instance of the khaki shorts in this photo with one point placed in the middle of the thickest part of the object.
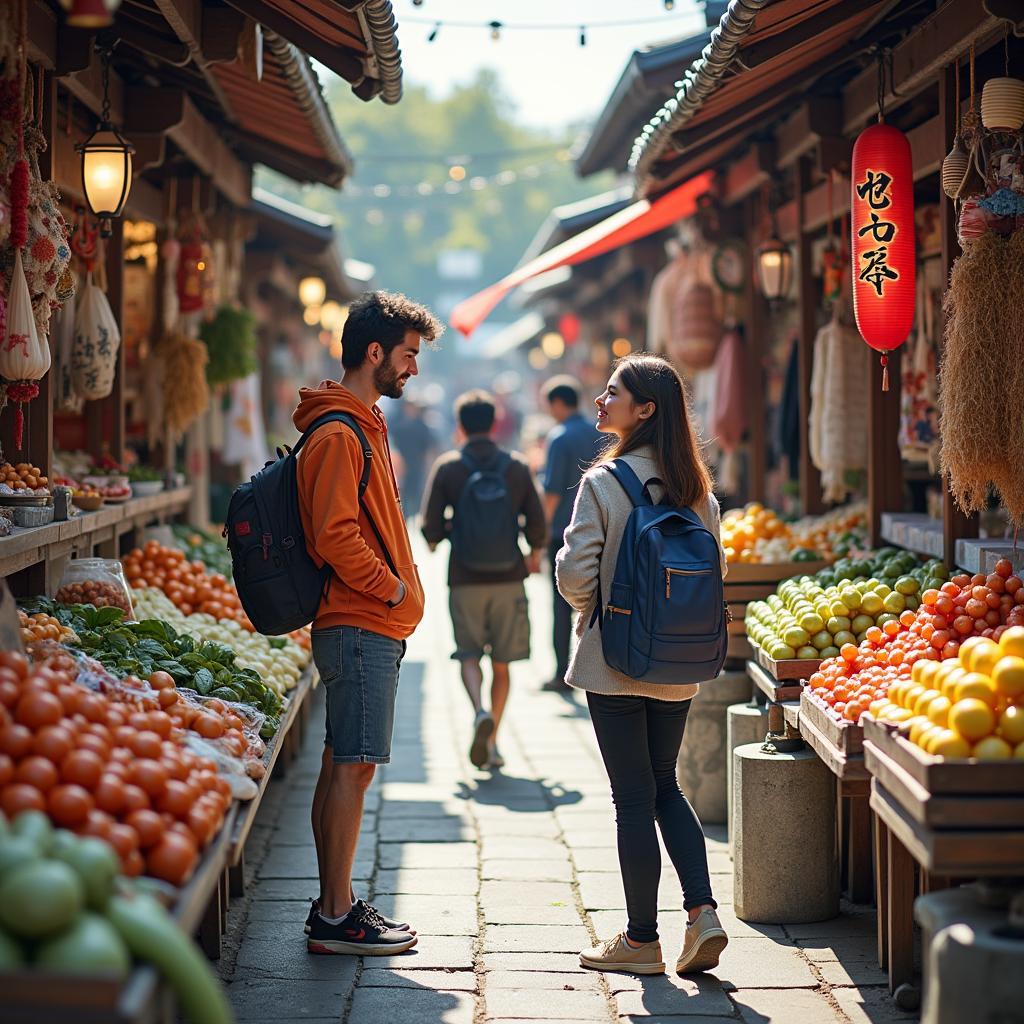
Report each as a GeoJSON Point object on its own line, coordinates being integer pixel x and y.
{"type": "Point", "coordinates": [490, 618]}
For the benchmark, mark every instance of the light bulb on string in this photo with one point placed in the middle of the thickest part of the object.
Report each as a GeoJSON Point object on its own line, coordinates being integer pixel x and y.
{"type": "Point", "coordinates": [495, 30]}
{"type": "Point", "coordinates": [417, 3]}
{"type": "Point", "coordinates": [433, 32]}
{"type": "Point", "coordinates": [583, 35]}
{"type": "Point", "coordinates": [669, 4]}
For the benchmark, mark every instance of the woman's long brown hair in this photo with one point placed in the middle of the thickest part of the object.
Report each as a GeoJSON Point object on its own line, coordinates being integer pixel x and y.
{"type": "Point", "coordinates": [682, 470]}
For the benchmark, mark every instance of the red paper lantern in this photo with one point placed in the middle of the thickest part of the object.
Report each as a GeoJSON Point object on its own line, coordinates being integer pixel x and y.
{"type": "Point", "coordinates": [884, 269]}
{"type": "Point", "coordinates": [569, 328]}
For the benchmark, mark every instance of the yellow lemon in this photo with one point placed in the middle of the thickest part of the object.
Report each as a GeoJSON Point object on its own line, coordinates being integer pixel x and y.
{"type": "Point", "coordinates": [911, 694]}
{"type": "Point", "coordinates": [1011, 724]}
{"type": "Point", "coordinates": [948, 744]}
{"type": "Point", "coordinates": [919, 726]}
{"type": "Point", "coordinates": [980, 687]}
{"type": "Point", "coordinates": [1012, 642]}
{"type": "Point", "coordinates": [896, 714]}
{"type": "Point", "coordinates": [972, 718]}
{"type": "Point", "coordinates": [986, 658]}
{"type": "Point", "coordinates": [924, 672]}
{"type": "Point", "coordinates": [938, 711]}
{"type": "Point", "coordinates": [1008, 675]}
{"type": "Point", "coordinates": [922, 702]}
{"type": "Point", "coordinates": [929, 735]}
{"type": "Point", "coordinates": [949, 675]}
{"type": "Point", "coordinates": [1018, 752]}
{"type": "Point", "coordinates": [877, 706]}
{"type": "Point", "coordinates": [992, 748]}
{"type": "Point", "coordinates": [968, 647]}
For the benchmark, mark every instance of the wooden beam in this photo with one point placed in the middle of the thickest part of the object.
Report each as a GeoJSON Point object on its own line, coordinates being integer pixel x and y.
{"type": "Point", "coordinates": [75, 49]}
{"type": "Point", "coordinates": [955, 524]}
{"type": "Point", "coordinates": [87, 87]}
{"type": "Point", "coordinates": [222, 29]}
{"type": "Point", "coordinates": [885, 469]}
{"type": "Point", "coordinates": [810, 478]}
{"type": "Point", "coordinates": [818, 117]}
{"type": "Point", "coordinates": [936, 42]}
{"type": "Point", "coordinates": [803, 32]}
{"type": "Point", "coordinates": [755, 384]}
{"type": "Point", "coordinates": [748, 173]}
{"type": "Point", "coordinates": [42, 34]}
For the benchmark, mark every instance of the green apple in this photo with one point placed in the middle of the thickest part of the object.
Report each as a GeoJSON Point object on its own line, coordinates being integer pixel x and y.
{"type": "Point", "coordinates": [872, 604]}
{"type": "Point", "coordinates": [837, 624]}
{"type": "Point", "coordinates": [861, 623]}
{"type": "Point", "coordinates": [894, 603]}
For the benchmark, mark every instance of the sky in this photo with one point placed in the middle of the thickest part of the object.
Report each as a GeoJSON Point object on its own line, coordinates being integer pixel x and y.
{"type": "Point", "coordinates": [552, 80]}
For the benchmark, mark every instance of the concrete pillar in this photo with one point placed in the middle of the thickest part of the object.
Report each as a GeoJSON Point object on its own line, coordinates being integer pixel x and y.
{"type": "Point", "coordinates": [972, 959]}
{"type": "Point", "coordinates": [745, 723]}
{"type": "Point", "coordinates": [785, 859]}
{"type": "Point", "coordinates": [703, 757]}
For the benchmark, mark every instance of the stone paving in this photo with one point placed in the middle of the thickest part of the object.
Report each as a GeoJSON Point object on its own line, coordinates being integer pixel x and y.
{"type": "Point", "coordinates": [506, 877]}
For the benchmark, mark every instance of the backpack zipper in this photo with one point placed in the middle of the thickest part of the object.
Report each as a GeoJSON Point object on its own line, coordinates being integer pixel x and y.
{"type": "Point", "coordinates": [669, 573]}
{"type": "Point", "coordinates": [616, 610]}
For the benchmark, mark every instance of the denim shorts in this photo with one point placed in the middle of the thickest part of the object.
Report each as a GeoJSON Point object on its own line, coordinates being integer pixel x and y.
{"type": "Point", "coordinates": [359, 670]}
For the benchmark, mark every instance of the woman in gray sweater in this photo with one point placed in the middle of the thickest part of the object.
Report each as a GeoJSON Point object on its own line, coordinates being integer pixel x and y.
{"type": "Point", "coordinates": [639, 725]}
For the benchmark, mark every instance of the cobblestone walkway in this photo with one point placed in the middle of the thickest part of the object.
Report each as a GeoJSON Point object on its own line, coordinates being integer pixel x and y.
{"type": "Point", "coordinates": [506, 878]}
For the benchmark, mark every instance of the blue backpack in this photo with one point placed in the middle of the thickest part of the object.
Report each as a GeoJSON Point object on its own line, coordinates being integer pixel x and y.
{"type": "Point", "coordinates": [278, 583]}
{"type": "Point", "coordinates": [665, 622]}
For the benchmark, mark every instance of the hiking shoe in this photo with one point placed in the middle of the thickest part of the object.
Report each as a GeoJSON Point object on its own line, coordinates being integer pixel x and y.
{"type": "Point", "coordinates": [703, 945]}
{"type": "Point", "coordinates": [483, 730]}
{"type": "Point", "coordinates": [495, 760]}
{"type": "Point", "coordinates": [397, 926]}
{"type": "Point", "coordinates": [361, 932]}
{"type": "Point", "coordinates": [618, 955]}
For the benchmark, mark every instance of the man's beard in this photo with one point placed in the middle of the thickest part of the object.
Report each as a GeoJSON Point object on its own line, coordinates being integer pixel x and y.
{"type": "Point", "coordinates": [387, 381]}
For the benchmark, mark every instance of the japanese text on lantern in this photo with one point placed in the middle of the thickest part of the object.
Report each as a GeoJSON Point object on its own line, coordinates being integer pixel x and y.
{"type": "Point", "coordinates": [874, 190]}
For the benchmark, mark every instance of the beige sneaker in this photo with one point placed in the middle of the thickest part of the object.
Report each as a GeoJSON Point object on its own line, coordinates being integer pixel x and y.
{"type": "Point", "coordinates": [703, 945]}
{"type": "Point", "coordinates": [618, 955]}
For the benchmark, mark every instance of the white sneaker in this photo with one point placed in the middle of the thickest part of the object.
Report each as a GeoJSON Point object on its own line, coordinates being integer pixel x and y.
{"type": "Point", "coordinates": [705, 940]}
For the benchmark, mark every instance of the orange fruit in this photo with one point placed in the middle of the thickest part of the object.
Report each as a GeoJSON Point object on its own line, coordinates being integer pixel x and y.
{"type": "Point", "coordinates": [1011, 725]}
{"type": "Point", "coordinates": [1008, 675]}
{"type": "Point", "coordinates": [938, 711]}
{"type": "Point", "coordinates": [1012, 642]}
{"type": "Point", "coordinates": [948, 744]}
{"type": "Point", "coordinates": [924, 700]}
{"type": "Point", "coordinates": [975, 685]}
{"type": "Point", "coordinates": [972, 719]}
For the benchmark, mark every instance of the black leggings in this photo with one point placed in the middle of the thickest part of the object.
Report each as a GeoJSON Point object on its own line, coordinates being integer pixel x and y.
{"type": "Point", "coordinates": [639, 739]}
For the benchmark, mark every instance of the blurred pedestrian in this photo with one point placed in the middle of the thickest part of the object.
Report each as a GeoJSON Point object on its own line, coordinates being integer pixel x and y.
{"type": "Point", "coordinates": [492, 498]}
{"type": "Point", "coordinates": [639, 725]}
{"type": "Point", "coordinates": [417, 445]}
{"type": "Point", "coordinates": [572, 445]}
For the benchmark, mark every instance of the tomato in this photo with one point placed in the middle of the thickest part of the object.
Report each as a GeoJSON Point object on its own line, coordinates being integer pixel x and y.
{"type": "Point", "coordinates": [15, 740]}
{"type": "Point", "coordinates": [208, 726]}
{"type": "Point", "coordinates": [145, 744]}
{"type": "Point", "coordinates": [135, 798]}
{"type": "Point", "coordinates": [38, 772]}
{"type": "Point", "coordinates": [93, 706]}
{"type": "Point", "coordinates": [83, 768]}
{"type": "Point", "coordinates": [6, 769]}
{"type": "Point", "coordinates": [162, 681]}
{"type": "Point", "coordinates": [109, 793]}
{"type": "Point", "coordinates": [19, 796]}
{"type": "Point", "coordinates": [54, 742]}
{"type": "Point", "coordinates": [91, 742]}
{"type": "Point", "coordinates": [98, 824]}
{"type": "Point", "coordinates": [148, 825]}
{"type": "Point", "coordinates": [150, 776]}
{"type": "Point", "coordinates": [133, 865]}
{"type": "Point", "coordinates": [160, 723]}
{"type": "Point", "coordinates": [123, 838]}
{"type": "Point", "coordinates": [16, 661]}
{"type": "Point", "coordinates": [69, 805]}
{"type": "Point", "coordinates": [177, 799]}
{"type": "Point", "coordinates": [10, 692]}
{"type": "Point", "coordinates": [173, 859]}
{"type": "Point", "coordinates": [38, 708]}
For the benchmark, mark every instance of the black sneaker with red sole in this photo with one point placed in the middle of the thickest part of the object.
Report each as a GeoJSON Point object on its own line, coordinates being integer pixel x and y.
{"type": "Point", "coordinates": [361, 932]}
{"type": "Point", "coordinates": [397, 926]}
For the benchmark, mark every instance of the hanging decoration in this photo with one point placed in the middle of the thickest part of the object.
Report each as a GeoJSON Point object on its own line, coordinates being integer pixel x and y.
{"type": "Point", "coordinates": [832, 258]}
{"type": "Point", "coordinates": [97, 339]}
{"type": "Point", "coordinates": [569, 328]}
{"type": "Point", "coordinates": [62, 339]}
{"type": "Point", "coordinates": [954, 166]}
{"type": "Point", "coordinates": [191, 264]}
{"type": "Point", "coordinates": [882, 228]}
{"type": "Point", "coordinates": [774, 259]}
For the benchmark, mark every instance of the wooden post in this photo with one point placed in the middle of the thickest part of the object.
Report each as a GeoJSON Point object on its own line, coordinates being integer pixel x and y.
{"type": "Point", "coordinates": [885, 469]}
{"type": "Point", "coordinates": [105, 419]}
{"type": "Point", "coordinates": [882, 890]}
{"type": "Point", "coordinates": [810, 478]}
{"type": "Point", "coordinates": [955, 524]}
{"type": "Point", "coordinates": [900, 913]}
{"type": "Point", "coordinates": [757, 327]}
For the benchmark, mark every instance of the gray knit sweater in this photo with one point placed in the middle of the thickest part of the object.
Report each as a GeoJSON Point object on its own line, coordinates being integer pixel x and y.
{"type": "Point", "coordinates": [590, 550]}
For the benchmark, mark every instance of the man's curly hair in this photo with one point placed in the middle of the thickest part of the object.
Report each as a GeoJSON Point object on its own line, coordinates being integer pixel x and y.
{"type": "Point", "coordinates": [384, 317]}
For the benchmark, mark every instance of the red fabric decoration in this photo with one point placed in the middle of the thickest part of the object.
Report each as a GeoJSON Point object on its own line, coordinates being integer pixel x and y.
{"type": "Point", "coordinates": [190, 277]}
{"type": "Point", "coordinates": [569, 328]}
{"type": "Point", "coordinates": [19, 204]}
{"type": "Point", "coordinates": [22, 392]}
{"type": "Point", "coordinates": [883, 236]}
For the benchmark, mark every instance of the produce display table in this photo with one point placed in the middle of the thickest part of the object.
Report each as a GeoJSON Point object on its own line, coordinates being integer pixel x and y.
{"type": "Point", "coordinates": [88, 532]}
{"type": "Point", "coordinates": [785, 692]}
{"type": "Point", "coordinates": [286, 740]}
{"type": "Point", "coordinates": [954, 819]}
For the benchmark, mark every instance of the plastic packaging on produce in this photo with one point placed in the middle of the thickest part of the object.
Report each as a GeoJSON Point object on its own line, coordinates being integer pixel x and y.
{"type": "Point", "coordinates": [97, 581]}
{"type": "Point", "coordinates": [232, 768]}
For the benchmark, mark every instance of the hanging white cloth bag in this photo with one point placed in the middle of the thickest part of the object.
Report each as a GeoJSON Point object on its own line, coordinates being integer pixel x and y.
{"type": "Point", "coordinates": [97, 339]}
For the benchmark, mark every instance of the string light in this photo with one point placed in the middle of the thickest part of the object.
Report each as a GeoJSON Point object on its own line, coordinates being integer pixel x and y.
{"type": "Point", "coordinates": [457, 172]}
{"type": "Point", "coordinates": [433, 31]}
{"type": "Point", "coordinates": [669, 4]}
{"type": "Point", "coordinates": [495, 30]}
{"type": "Point", "coordinates": [583, 35]}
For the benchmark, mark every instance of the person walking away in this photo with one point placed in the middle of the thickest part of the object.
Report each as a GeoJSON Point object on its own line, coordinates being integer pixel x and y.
{"type": "Point", "coordinates": [572, 445]}
{"type": "Point", "coordinates": [372, 603]}
{"type": "Point", "coordinates": [416, 444]}
{"type": "Point", "coordinates": [492, 497]}
{"type": "Point", "coordinates": [639, 725]}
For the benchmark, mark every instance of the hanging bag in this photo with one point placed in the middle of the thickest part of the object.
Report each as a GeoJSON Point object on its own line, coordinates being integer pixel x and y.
{"type": "Point", "coordinates": [97, 339]}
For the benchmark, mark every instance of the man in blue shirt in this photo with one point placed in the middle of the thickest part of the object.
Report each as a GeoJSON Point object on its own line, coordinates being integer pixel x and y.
{"type": "Point", "coordinates": [572, 446]}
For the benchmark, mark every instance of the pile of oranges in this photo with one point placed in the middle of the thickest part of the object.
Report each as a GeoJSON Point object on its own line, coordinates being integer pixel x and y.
{"type": "Point", "coordinates": [189, 585]}
{"type": "Point", "coordinates": [967, 606]}
{"type": "Point", "coordinates": [42, 627]}
{"type": "Point", "coordinates": [106, 764]}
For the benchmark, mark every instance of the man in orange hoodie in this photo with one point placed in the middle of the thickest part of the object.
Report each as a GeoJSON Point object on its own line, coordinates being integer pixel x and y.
{"type": "Point", "coordinates": [373, 602]}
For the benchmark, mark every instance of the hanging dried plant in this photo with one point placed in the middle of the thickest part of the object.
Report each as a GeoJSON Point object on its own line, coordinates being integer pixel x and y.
{"type": "Point", "coordinates": [982, 375]}
{"type": "Point", "coordinates": [186, 393]}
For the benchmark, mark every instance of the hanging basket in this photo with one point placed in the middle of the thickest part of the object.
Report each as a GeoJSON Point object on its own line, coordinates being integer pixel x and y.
{"type": "Point", "coordinates": [954, 167]}
{"type": "Point", "coordinates": [1002, 104]}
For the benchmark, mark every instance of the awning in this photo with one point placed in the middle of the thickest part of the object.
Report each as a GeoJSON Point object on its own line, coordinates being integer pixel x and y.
{"type": "Point", "coordinates": [637, 221]}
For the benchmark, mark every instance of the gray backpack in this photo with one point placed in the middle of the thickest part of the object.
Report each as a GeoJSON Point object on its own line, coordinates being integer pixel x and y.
{"type": "Point", "coordinates": [485, 529]}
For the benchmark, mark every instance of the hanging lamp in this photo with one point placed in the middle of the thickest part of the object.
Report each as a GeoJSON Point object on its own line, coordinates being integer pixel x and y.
{"type": "Point", "coordinates": [774, 263]}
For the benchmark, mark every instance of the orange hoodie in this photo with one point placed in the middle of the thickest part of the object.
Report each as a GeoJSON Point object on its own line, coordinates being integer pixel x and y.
{"type": "Point", "coordinates": [337, 532]}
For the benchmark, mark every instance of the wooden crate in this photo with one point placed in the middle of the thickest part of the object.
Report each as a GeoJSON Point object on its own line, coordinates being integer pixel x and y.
{"type": "Point", "coordinates": [772, 688]}
{"type": "Point", "coordinates": [772, 573]}
{"type": "Point", "coordinates": [945, 794]}
{"type": "Point", "coordinates": [46, 997]}
{"type": "Point", "coordinates": [840, 746]}
{"type": "Point", "coordinates": [788, 669]}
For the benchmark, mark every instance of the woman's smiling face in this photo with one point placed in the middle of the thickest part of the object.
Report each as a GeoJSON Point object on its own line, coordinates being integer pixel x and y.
{"type": "Point", "coordinates": [617, 413]}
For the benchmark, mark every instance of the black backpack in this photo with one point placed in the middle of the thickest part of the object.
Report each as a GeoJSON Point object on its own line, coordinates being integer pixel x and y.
{"type": "Point", "coordinates": [485, 529]}
{"type": "Point", "coordinates": [278, 583]}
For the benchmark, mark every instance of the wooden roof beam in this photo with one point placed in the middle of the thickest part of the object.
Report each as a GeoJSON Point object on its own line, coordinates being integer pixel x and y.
{"type": "Point", "coordinates": [212, 34]}
{"type": "Point", "coordinates": [813, 120]}
{"type": "Point", "coordinates": [937, 41]}
{"type": "Point", "coordinates": [748, 173]}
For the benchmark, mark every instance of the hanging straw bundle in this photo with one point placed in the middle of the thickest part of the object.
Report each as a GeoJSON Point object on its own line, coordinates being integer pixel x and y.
{"type": "Point", "coordinates": [186, 393]}
{"type": "Point", "coordinates": [982, 375]}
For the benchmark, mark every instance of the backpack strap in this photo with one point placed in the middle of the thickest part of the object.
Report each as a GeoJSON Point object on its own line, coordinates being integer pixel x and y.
{"type": "Point", "coordinates": [635, 490]}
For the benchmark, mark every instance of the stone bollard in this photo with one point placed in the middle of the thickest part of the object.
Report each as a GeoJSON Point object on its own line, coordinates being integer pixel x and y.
{"type": "Point", "coordinates": [703, 757]}
{"type": "Point", "coordinates": [745, 723]}
{"type": "Point", "coordinates": [972, 959]}
{"type": "Point", "coordinates": [785, 859]}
